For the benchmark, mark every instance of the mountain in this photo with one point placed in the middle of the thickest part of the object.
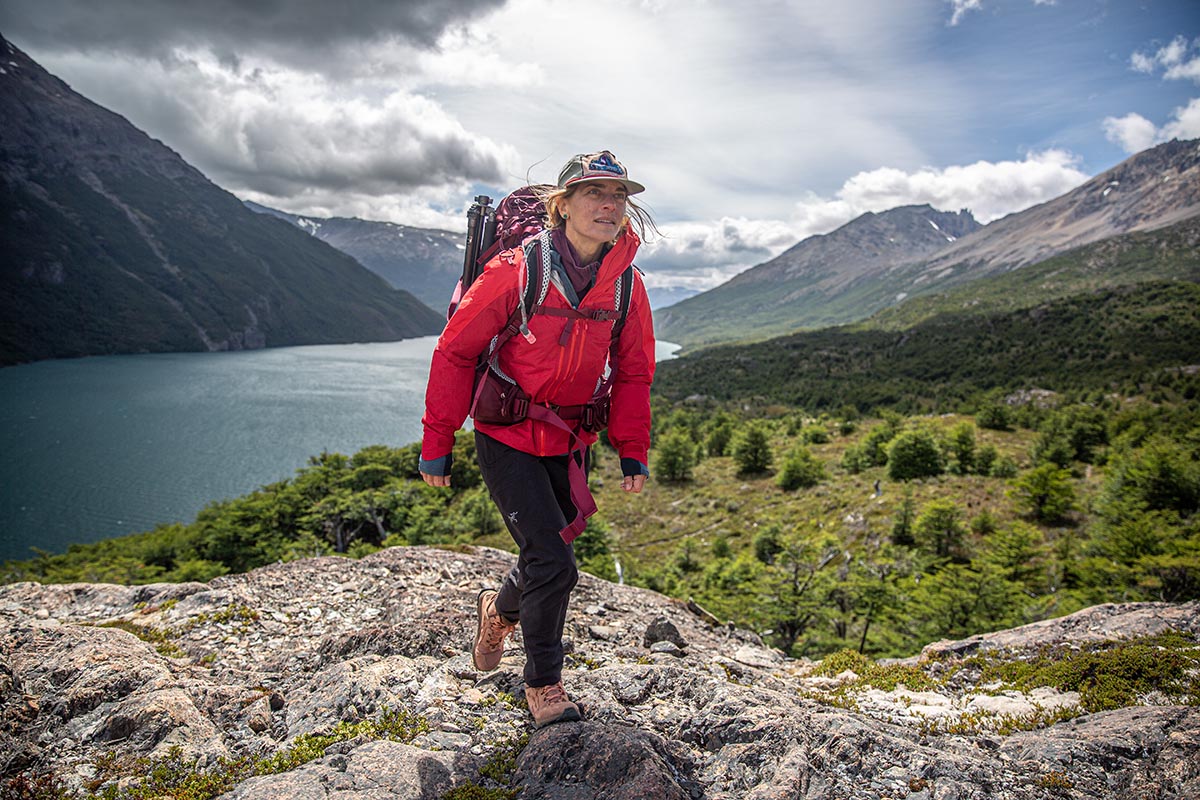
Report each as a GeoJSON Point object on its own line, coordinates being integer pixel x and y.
{"type": "Point", "coordinates": [1113, 339]}
{"type": "Point", "coordinates": [1153, 189]}
{"type": "Point", "coordinates": [815, 283]}
{"type": "Point", "coordinates": [350, 678]}
{"type": "Point", "coordinates": [667, 296]}
{"type": "Point", "coordinates": [1165, 254]}
{"type": "Point", "coordinates": [424, 261]}
{"type": "Point", "coordinates": [112, 243]}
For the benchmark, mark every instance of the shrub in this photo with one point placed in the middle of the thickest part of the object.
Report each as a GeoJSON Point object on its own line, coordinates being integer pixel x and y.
{"type": "Point", "coordinates": [995, 416]}
{"type": "Point", "coordinates": [1045, 493]}
{"type": "Point", "coordinates": [752, 450]}
{"type": "Point", "coordinates": [939, 529]}
{"type": "Point", "coordinates": [914, 454]}
{"type": "Point", "coordinates": [675, 456]}
{"type": "Point", "coordinates": [800, 470]}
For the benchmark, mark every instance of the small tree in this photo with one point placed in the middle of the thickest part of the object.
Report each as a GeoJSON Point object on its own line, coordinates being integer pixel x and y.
{"type": "Point", "coordinates": [995, 416]}
{"type": "Point", "coordinates": [675, 456]}
{"type": "Point", "coordinates": [752, 450]}
{"type": "Point", "coordinates": [940, 530]}
{"type": "Point", "coordinates": [962, 448]}
{"type": "Point", "coordinates": [800, 470]}
{"type": "Point", "coordinates": [902, 527]}
{"type": "Point", "coordinates": [719, 437]}
{"type": "Point", "coordinates": [985, 458]}
{"type": "Point", "coordinates": [1045, 493]}
{"type": "Point", "coordinates": [914, 454]}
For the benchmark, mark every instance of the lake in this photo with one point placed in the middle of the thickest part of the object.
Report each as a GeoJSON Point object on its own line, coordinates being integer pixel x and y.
{"type": "Point", "coordinates": [104, 446]}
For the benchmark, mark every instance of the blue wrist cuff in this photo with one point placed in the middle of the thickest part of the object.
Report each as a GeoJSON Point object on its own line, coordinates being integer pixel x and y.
{"type": "Point", "coordinates": [436, 466]}
{"type": "Point", "coordinates": [631, 466]}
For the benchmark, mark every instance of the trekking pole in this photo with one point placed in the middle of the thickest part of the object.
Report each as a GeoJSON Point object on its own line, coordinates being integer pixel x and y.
{"type": "Point", "coordinates": [480, 218]}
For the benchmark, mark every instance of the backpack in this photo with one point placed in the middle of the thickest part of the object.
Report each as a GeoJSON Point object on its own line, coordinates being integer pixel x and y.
{"type": "Point", "coordinates": [518, 221]}
{"type": "Point", "coordinates": [497, 399]}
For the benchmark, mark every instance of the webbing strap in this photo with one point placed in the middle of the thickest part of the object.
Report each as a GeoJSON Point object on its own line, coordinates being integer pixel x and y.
{"type": "Point", "coordinates": [581, 496]}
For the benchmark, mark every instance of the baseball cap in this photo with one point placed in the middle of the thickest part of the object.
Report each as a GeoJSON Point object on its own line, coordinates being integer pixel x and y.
{"type": "Point", "coordinates": [602, 166]}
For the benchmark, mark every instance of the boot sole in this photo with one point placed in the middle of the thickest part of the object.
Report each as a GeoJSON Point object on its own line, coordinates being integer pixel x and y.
{"type": "Point", "coordinates": [570, 715]}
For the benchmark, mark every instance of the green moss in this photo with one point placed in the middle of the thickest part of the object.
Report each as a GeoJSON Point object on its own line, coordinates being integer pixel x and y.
{"type": "Point", "coordinates": [173, 777]}
{"type": "Point", "coordinates": [503, 760]}
{"type": "Point", "coordinates": [473, 791]}
{"type": "Point", "coordinates": [584, 661]}
{"type": "Point", "coordinates": [1055, 780]}
{"type": "Point", "coordinates": [241, 615]}
{"type": "Point", "coordinates": [873, 675]}
{"type": "Point", "coordinates": [1108, 675]}
{"type": "Point", "coordinates": [505, 699]}
{"type": "Point", "coordinates": [159, 638]}
{"type": "Point", "coordinates": [971, 723]}
{"type": "Point", "coordinates": [498, 769]}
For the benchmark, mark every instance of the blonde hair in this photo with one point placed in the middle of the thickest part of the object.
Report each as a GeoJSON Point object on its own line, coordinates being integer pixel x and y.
{"type": "Point", "coordinates": [635, 215]}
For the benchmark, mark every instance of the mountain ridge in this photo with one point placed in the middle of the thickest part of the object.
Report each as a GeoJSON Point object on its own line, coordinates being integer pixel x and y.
{"type": "Point", "coordinates": [114, 244]}
{"type": "Point", "coordinates": [428, 264]}
{"type": "Point", "coordinates": [806, 280]}
{"type": "Point", "coordinates": [1152, 189]}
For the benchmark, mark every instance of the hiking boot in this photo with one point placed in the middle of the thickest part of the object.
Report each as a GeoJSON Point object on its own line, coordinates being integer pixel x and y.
{"type": "Point", "coordinates": [489, 636]}
{"type": "Point", "coordinates": [550, 704]}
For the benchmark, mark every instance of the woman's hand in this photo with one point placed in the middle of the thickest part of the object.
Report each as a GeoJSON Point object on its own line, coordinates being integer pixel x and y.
{"type": "Point", "coordinates": [633, 483]}
{"type": "Point", "coordinates": [436, 480]}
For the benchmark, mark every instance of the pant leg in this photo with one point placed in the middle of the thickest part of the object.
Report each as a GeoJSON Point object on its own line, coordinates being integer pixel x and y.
{"type": "Point", "coordinates": [533, 495]}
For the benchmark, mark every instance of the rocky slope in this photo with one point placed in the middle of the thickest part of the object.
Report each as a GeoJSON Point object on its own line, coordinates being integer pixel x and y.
{"type": "Point", "coordinates": [1150, 190]}
{"type": "Point", "coordinates": [865, 273]}
{"type": "Point", "coordinates": [814, 283]}
{"type": "Point", "coordinates": [112, 243]}
{"type": "Point", "coordinates": [259, 666]}
{"type": "Point", "coordinates": [424, 261]}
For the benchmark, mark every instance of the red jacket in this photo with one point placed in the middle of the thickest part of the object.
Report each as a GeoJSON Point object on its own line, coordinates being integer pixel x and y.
{"type": "Point", "coordinates": [553, 373]}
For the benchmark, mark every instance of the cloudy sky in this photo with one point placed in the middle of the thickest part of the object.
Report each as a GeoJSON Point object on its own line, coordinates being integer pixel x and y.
{"type": "Point", "coordinates": [754, 124]}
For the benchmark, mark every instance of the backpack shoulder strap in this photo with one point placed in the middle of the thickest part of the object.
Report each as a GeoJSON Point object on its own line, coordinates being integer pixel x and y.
{"type": "Point", "coordinates": [624, 291]}
{"type": "Point", "coordinates": [533, 282]}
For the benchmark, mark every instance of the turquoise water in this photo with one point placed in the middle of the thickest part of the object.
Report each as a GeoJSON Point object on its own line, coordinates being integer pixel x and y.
{"type": "Point", "coordinates": [98, 447]}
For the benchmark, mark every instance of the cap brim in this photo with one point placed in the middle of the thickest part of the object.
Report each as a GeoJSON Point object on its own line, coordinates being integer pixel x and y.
{"type": "Point", "coordinates": [632, 187]}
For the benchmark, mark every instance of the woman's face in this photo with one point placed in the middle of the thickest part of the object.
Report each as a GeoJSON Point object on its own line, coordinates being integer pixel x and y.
{"type": "Point", "coordinates": [594, 212]}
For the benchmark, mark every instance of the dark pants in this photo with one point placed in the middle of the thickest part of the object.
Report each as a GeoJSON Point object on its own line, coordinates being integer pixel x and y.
{"type": "Point", "coordinates": [534, 497]}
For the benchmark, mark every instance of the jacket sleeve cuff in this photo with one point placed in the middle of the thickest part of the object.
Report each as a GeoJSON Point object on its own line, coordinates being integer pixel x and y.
{"type": "Point", "coordinates": [631, 466]}
{"type": "Point", "coordinates": [436, 466]}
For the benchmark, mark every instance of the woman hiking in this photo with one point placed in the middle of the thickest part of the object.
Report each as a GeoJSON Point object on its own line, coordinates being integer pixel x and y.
{"type": "Point", "coordinates": [535, 468]}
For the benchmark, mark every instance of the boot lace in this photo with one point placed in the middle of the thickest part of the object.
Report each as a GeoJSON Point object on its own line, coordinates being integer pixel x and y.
{"type": "Point", "coordinates": [497, 628]}
{"type": "Point", "coordinates": [555, 693]}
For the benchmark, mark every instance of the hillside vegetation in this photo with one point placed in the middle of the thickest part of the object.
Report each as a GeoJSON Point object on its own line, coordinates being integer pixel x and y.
{"type": "Point", "coordinates": [771, 519]}
{"type": "Point", "coordinates": [1116, 338]}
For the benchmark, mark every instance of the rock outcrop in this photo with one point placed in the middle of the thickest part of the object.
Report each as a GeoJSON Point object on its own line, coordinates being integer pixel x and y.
{"type": "Point", "coordinates": [259, 666]}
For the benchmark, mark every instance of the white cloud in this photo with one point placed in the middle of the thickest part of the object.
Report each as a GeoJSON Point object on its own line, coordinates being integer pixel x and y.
{"type": "Point", "coordinates": [712, 253]}
{"type": "Point", "coordinates": [1179, 60]}
{"type": "Point", "coordinates": [296, 139]}
{"type": "Point", "coordinates": [989, 189]}
{"type": "Point", "coordinates": [1132, 132]}
{"type": "Point", "coordinates": [961, 7]}
{"type": "Point", "coordinates": [1135, 133]}
{"type": "Point", "coordinates": [1185, 123]}
{"type": "Point", "coordinates": [701, 255]}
